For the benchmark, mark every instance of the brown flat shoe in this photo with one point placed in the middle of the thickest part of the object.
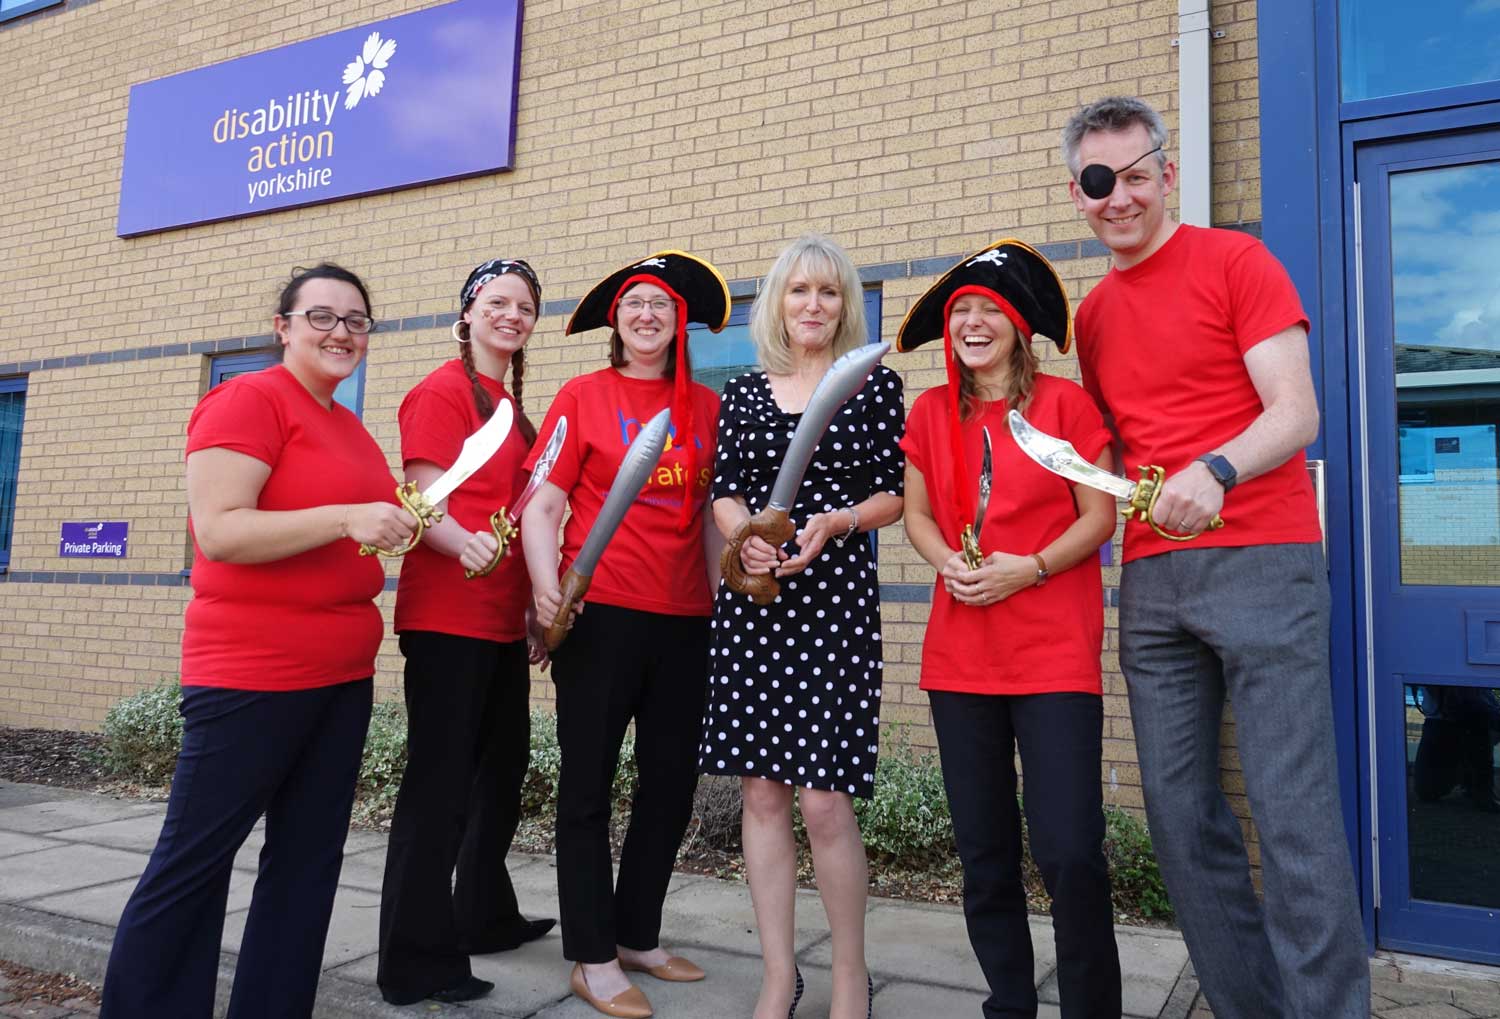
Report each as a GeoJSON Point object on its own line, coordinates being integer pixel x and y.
{"type": "Point", "coordinates": [631, 1004]}
{"type": "Point", "coordinates": [676, 969]}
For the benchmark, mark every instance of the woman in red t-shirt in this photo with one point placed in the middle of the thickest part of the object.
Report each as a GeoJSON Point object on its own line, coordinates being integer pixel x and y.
{"type": "Point", "coordinates": [638, 648]}
{"type": "Point", "coordinates": [467, 681]}
{"type": "Point", "coordinates": [278, 654]}
{"type": "Point", "coordinates": [1010, 658]}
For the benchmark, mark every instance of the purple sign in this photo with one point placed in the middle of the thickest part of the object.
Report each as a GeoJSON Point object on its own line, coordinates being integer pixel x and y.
{"type": "Point", "coordinates": [94, 541]}
{"type": "Point", "coordinates": [423, 97]}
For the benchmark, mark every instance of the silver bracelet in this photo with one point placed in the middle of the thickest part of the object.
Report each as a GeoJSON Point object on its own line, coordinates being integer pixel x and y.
{"type": "Point", "coordinates": [853, 526]}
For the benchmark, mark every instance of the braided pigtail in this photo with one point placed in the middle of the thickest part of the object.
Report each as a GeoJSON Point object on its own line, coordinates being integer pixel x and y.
{"type": "Point", "coordinates": [517, 372]}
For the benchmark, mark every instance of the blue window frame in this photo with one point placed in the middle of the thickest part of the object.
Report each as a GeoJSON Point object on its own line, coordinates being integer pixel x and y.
{"type": "Point", "coordinates": [18, 8]}
{"type": "Point", "coordinates": [719, 357]}
{"type": "Point", "coordinates": [350, 393]}
{"type": "Point", "coordinates": [12, 415]}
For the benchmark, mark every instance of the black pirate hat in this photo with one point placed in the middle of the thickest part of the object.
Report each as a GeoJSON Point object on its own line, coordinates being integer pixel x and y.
{"type": "Point", "coordinates": [701, 295]}
{"type": "Point", "coordinates": [1025, 286]}
{"type": "Point", "coordinates": [1028, 289]}
{"type": "Point", "coordinates": [697, 286]}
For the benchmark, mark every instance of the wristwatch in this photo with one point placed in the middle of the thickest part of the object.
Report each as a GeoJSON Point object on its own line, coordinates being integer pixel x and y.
{"type": "Point", "coordinates": [1041, 569]}
{"type": "Point", "coordinates": [1222, 470]}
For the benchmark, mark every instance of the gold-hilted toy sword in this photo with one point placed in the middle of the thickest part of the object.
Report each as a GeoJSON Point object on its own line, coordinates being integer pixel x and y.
{"type": "Point", "coordinates": [505, 525]}
{"type": "Point", "coordinates": [476, 452]}
{"type": "Point", "coordinates": [973, 558]}
{"type": "Point", "coordinates": [1059, 457]}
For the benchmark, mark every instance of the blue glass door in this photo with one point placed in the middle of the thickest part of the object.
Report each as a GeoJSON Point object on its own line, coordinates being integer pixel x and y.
{"type": "Point", "coordinates": [1426, 374]}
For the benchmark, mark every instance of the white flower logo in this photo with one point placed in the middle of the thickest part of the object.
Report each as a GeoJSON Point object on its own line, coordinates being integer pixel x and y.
{"type": "Point", "coordinates": [365, 74]}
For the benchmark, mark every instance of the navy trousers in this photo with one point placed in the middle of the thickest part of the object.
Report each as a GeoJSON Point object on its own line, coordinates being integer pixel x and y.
{"type": "Point", "coordinates": [292, 756]}
{"type": "Point", "coordinates": [1059, 736]}
{"type": "Point", "coordinates": [468, 746]}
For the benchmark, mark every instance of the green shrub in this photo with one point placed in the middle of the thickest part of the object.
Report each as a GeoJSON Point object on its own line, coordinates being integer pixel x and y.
{"type": "Point", "coordinates": [539, 788]}
{"type": "Point", "coordinates": [907, 822]}
{"type": "Point", "coordinates": [142, 734]}
{"type": "Point", "coordinates": [384, 760]}
{"type": "Point", "coordinates": [1134, 875]}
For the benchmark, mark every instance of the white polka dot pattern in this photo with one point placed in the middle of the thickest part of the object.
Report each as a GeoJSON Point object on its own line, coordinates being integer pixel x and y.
{"type": "Point", "coordinates": [794, 686]}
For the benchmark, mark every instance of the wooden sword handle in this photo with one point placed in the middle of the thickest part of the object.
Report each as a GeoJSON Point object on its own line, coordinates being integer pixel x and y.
{"type": "Point", "coordinates": [574, 587]}
{"type": "Point", "coordinates": [772, 526]}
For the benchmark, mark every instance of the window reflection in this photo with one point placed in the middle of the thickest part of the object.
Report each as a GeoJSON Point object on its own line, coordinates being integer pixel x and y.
{"type": "Point", "coordinates": [1385, 49]}
{"type": "Point", "coordinates": [1445, 243]}
{"type": "Point", "coordinates": [1453, 816]}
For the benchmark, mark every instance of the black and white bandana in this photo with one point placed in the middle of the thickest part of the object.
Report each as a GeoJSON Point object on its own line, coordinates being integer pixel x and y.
{"type": "Point", "coordinates": [493, 269]}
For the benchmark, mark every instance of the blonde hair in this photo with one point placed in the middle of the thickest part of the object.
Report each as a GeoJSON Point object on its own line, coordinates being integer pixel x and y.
{"type": "Point", "coordinates": [819, 259]}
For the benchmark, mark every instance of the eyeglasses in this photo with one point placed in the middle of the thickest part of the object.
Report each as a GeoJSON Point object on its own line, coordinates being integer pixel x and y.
{"type": "Point", "coordinates": [324, 320]}
{"type": "Point", "coordinates": [659, 305]}
{"type": "Point", "coordinates": [1098, 180]}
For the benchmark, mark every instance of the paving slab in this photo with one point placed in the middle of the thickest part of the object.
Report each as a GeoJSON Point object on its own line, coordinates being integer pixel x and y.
{"type": "Point", "coordinates": [18, 794]}
{"type": "Point", "coordinates": [719, 914]}
{"type": "Point", "coordinates": [65, 868]}
{"type": "Point", "coordinates": [930, 944]}
{"type": "Point", "coordinates": [729, 991]}
{"type": "Point", "coordinates": [13, 843]}
{"type": "Point", "coordinates": [104, 903]}
{"type": "Point", "coordinates": [41, 817]}
{"type": "Point", "coordinates": [900, 999]}
{"type": "Point", "coordinates": [137, 833]}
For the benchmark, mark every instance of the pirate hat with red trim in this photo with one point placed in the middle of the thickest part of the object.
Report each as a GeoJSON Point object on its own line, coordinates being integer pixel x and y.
{"type": "Point", "coordinates": [698, 283]}
{"type": "Point", "coordinates": [1016, 272]}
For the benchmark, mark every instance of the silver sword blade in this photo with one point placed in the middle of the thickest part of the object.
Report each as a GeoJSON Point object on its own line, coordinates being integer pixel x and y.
{"type": "Point", "coordinates": [544, 464]}
{"type": "Point", "coordinates": [986, 479]}
{"type": "Point", "coordinates": [477, 450]}
{"type": "Point", "coordinates": [842, 380]}
{"type": "Point", "coordinates": [640, 460]}
{"type": "Point", "coordinates": [1059, 457]}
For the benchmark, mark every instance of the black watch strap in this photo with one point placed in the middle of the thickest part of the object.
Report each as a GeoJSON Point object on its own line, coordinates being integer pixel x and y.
{"type": "Point", "coordinates": [1222, 470]}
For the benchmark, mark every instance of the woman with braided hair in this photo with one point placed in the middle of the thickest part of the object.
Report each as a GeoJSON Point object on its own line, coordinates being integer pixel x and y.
{"type": "Point", "coordinates": [467, 644]}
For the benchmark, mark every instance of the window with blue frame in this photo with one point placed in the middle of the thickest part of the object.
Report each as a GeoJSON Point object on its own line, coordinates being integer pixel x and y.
{"type": "Point", "coordinates": [719, 357]}
{"type": "Point", "coordinates": [1391, 48]}
{"type": "Point", "coordinates": [16, 8]}
{"type": "Point", "coordinates": [12, 414]}
{"type": "Point", "coordinates": [350, 393]}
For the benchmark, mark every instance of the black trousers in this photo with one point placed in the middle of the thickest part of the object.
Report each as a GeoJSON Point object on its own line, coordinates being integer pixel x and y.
{"type": "Point", "coordinates": [1060, 737]}
{"type": "Point", "coordinates": [468, 745]}
{"type": "Point", "coordinates": [292, 756]}
{"type": "Point", "coordinates": [618, 664]}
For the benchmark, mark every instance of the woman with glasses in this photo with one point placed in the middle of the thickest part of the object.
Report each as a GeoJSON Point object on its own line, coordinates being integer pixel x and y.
{"type": "Point", "coordinates": [467, 682]}
{"type": "Point", "coordinates": [639, 646]}
{"type": "Point", "coordinates": [278, 651]}
{"type": "Point", "coordinates": [794, 695]}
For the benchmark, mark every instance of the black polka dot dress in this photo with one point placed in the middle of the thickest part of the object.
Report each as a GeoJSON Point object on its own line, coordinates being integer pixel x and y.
{"type": "Point", "coordinates": [794, 686]}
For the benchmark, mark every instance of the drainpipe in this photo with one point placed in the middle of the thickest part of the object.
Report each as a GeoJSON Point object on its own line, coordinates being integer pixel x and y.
{"type": "Point", "coordinates": [1194, 127]}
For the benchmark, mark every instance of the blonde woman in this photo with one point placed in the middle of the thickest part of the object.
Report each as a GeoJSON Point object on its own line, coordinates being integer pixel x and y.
{"type": "Point", "coordinates": [794, 687]}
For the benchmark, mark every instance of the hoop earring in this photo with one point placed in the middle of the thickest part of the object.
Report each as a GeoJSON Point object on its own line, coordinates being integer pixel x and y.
{"type": "Point", "coordinates": [453, 329]}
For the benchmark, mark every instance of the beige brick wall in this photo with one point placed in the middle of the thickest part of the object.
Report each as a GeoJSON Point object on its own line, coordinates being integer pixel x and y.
{"type": "Point", "coordinates": [904, 128]}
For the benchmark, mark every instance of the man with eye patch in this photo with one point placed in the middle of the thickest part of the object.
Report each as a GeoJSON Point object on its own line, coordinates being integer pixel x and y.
{"type": "Point", "coordinates": [1195, 347]}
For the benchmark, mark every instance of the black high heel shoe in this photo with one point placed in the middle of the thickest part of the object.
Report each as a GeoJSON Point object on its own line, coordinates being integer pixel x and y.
{"type": "Point", "coordinates": [796, 996]}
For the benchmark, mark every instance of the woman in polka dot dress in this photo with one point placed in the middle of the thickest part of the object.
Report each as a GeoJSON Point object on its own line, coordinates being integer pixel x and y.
{"type": "Point", "coordinates": [794, 686]}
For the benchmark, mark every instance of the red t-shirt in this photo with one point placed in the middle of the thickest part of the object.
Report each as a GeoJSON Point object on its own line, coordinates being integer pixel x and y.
{"type": "Point", "coordinates": [1043, 639]}
{"type": "Point", "coordinates": [308, 620]}
{"type": "Point", "coordinates": [436, 417]}
{"type": "Point", "coordinates": [1162, 347]}
{"type": "Point", "coordinates": [648, 564]}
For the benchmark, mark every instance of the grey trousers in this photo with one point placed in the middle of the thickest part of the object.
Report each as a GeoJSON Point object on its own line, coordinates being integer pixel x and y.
{"type": "Point", "coordinates": [1250, 623]}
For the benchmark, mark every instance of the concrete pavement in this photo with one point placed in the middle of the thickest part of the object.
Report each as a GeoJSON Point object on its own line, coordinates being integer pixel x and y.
{"type": "Point", "coordinates": [69, 860]}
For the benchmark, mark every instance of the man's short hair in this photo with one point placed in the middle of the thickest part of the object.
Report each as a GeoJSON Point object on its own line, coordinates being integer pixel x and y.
{"type": "Point", "coordinates": [1114, 113]}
